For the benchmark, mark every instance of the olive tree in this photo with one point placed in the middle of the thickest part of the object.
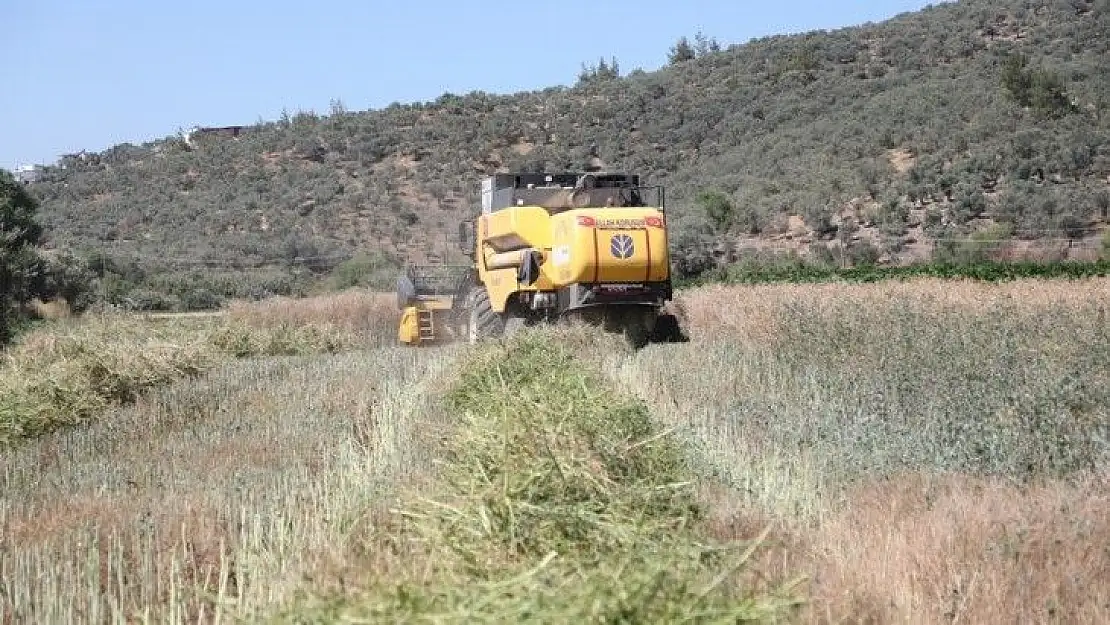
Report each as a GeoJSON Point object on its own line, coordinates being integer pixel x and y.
{"type": "Point", "coordinates": [21, 267]}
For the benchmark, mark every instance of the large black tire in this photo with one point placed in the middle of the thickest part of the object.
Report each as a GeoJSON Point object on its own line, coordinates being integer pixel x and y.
{"type": "Point", "coordinates": [636, 333]}
{"type": "Point", "coordinates": [668, 330]}
{"type": "Point", "coordinates": [483, 322]}
{"type": "Point", "coordinates": [629, 321]}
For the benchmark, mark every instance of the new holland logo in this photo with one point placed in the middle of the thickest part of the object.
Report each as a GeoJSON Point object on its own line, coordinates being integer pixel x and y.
{"type": "Point", "coordinates": [620, 246]}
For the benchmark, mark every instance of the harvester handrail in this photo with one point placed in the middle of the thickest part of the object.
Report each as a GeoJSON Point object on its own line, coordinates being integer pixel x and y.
{"type": "Point", "coordinates": [432, 280]}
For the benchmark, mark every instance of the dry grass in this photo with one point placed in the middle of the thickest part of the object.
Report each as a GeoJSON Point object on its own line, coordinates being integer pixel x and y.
{"type": "Point", "coordinates": [53, 310]}
{"type": "Point", "coordinates": [963, 549]}
{"type": "Point", "coordinates": [928, 451]}
{"type": "Point", "coordinates": [925, 451]}
{"type": "Point", "coordinates": [759, 315]}
{"type": "Point", "coordinates": [69, 371]}
{"type": "Point", "coordinates": [370, 316]}
{"type": "Point", "coordinates": [228, 492]}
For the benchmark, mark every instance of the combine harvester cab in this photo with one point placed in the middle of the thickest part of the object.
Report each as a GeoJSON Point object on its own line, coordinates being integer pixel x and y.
{"type": "Point", "coordinates": [551, 247]}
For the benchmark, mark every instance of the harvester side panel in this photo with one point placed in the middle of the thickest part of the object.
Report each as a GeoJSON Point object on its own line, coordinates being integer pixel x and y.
{"type": "Point", "coordinates": [517, 228]}
{"type": "Point", "coordinates": [503, 238]}
{"type": "Point", "coordinates": [408, 331]}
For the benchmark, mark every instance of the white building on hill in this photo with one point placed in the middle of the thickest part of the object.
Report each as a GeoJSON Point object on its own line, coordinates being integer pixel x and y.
{"type": "Point", "coordinates": [26, 173]}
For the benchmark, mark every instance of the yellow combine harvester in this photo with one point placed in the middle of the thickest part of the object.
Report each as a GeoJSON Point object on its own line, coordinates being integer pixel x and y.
{"type": "Point", "coordinates": [550, 247]}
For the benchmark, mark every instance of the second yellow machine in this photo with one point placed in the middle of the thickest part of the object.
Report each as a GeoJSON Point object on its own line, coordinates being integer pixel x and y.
{"type": "Point", "coordinates": [548, 247]}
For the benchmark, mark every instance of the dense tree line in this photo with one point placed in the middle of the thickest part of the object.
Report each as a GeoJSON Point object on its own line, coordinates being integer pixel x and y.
{"type": "Point", "coordinates": [26, 274]}
{"type": "Point", "coordinates": [20, 264]}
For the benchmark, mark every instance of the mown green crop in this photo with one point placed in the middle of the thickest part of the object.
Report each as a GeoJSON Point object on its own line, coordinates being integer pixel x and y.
{"type": "Point", "coordinates": [561, 502]}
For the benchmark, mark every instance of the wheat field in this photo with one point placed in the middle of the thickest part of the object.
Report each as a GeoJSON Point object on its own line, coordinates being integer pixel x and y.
{"type": "Point", "coordinates": [928, 451]}
{"type": "Point", "coordinates": [915, 452]}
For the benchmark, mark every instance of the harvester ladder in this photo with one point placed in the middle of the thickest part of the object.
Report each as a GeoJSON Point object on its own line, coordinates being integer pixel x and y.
{"type": "Point", "coordinates": [426, 323]}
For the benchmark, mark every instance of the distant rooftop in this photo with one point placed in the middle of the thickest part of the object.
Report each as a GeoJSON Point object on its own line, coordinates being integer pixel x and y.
{"type": "Point", "coordinates": [200, 131]}
{"type": "Point", "coordinates": [26, 173]}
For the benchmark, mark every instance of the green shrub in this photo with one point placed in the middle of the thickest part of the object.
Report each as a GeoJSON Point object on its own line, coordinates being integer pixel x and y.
{"type": "Point", "coordinates": [243, 340]}
{"type": "Point", "coordinates": [718, 208]}
{"type": "Point", "coordinates": [72, 279]}
{"type": "Point", "coordinates": [146, 300]}
{"type": "Point", "coordinates": [365, 270]}
{"type": "Point", "coordinates": [794, 269]}
{"type": "Point", "coordinates": [979, 247]}
{"type": "Point", "coordinates": [200, 298]}
{"type": "Point", "coordinates": [21, 267]}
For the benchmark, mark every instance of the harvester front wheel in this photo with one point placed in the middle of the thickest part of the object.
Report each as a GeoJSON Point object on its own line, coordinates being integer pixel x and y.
{"type": "Point", "coordinates": [668, 330]}
{"type": "Point", "coordinates": [636, 333]}
{"type": "Point", "coordinates": [483, 322]}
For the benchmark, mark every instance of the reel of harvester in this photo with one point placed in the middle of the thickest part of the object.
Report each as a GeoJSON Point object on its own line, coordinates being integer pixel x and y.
{"type": "Point", "coordinates": [431, 298]}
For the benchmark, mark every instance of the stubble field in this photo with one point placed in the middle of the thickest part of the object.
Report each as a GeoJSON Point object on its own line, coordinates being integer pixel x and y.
{"type": "Point", "coordinates": [927, 451]}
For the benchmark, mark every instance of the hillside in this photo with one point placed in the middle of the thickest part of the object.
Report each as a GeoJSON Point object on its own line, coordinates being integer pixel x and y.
{"type": "Point", "coordinates": [882, 137]}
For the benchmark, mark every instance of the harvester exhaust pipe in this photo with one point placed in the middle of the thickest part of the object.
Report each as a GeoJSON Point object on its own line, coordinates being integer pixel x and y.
{"type": "Point", "coordinates": [513, 259]}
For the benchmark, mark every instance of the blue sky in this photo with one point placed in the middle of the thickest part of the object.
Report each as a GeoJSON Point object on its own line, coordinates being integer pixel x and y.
{"type": "Point", "coordinates": [89, 74]}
